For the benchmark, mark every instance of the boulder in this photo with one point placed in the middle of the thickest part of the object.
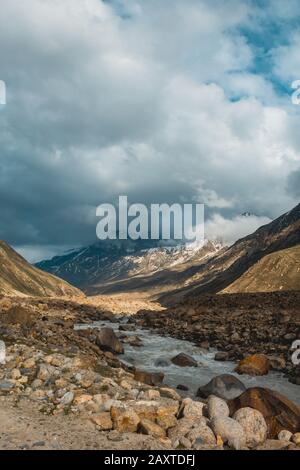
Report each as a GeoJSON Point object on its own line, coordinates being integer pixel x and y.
{"type": "Point", "coordinates": [258, 364]}
{"type": "Point", "coordinates": [184, 360]}
{"type": "Point", "coordinates": [169, 393]}
{"type": "Point", "coordinates": [150, 394]}
{"type": "Point", "coordinates": [285, 435]}
{"type": "Point", "coordinates": [254, 425]}
{"type": "Point", "coordinates": [152, 429]}
{"type": "Point", "coordinates": [201, 435]}
{"type": "Point", "coordinates": [127, 327]}
{"type": "Point", "coordinates": [67, 399]}
{"type": "Point", "coordinates": [279, 412]}
{"type": "Point", "coordinates": [183, 426]}
{"type": "Point", "coordinates": [6, 386]}
{"type": "Point", "coordinates": [182, 387]}
{"type": "Point", "coordinates": [133, 341]}
{"type": "Point", "coordinates": [103, 421]}
{"type": "Point", "coordinates": [191, 409]}
{"type": "Point", "coordinates": [217, 407]}
{"type": "Point", "coordinates": [165, 415]}
{"type": "Point", "coordinates": [273, 444]}
{"type": "Point", "coordinates": [19, 315]}
{"type": "Point", "coordinates": [108, 341]}
{"type": "Point", "coordinates": [15, 374]}
{"type": "Point", "coordinates": [277, 363]}
{"type": "Point", "coordinates": [221, 356]}
{"type": "Point", "coordinates": [224, 386]}
{"type": "Point", "coordinates": [184, 442]}
{"type": "Point", "coordinates": [230, 431]}
{"type": "Point", "coordinates": [296, 438]}
{"type": "Point", "coordinates": [124, 419]}
{"type": "Point", "coordinates": [45, 371]}
{"type": "Point", "coordinates": [162, 412]}
{"type": "Point", "coordinates": [29, 363]}
{"type": "Point", "coordinates": [149, 378]}
{"type": "Point", "coordinates": [82, 398]}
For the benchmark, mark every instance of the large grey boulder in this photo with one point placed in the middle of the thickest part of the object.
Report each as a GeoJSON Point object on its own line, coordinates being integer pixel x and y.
{"type": "Point", "coordinates": [254, 425]}
{"type": "Point", "coordinates": [230, 431]}
{"type": "Point", "coordinates": [217, 407]}
{"type": "Point", "coordinates": [224, 386]}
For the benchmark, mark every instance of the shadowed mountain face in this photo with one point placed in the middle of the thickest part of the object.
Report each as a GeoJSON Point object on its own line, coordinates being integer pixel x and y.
{"type": "Point", "coordinates": [228, 266]}
{"type": "Point", "coordinates": [19, 278]}
{"type": "Point", "coordinates": [173, 273]}
{"type": "Point", "coordinates": [122, 266]}
{"type": "Point", "coordinates": [275, 272]}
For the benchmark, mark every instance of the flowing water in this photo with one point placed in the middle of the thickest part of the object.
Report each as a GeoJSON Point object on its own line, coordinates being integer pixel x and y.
{"type": "Point", "coordinates": [156, 348]}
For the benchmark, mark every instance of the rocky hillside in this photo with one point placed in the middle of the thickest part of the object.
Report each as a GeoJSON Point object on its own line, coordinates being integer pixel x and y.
{"type": "Point", "coordinates": [19, 278]}
{"type": "Point", "coordinates": [229, 265]}
{"type": "Point", "coordinates": [275, 272]}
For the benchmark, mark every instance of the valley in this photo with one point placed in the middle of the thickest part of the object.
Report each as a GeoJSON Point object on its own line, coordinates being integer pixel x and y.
{"type": "Point", "coordinates": [182, 347]}
{"type": "Point", "coordinates": [74, 366]}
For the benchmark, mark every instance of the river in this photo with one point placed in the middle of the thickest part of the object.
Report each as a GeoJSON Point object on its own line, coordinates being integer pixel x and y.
{"type": "Point", "coordinates": [156, 347]}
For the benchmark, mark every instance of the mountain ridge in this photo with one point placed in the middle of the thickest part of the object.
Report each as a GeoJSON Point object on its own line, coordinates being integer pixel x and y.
{"type": "Point", "coordinates": [226, 267]}
{"type": "Point", "coordinates": [98, 269]}
{"type": "Point", "coordinates": [170, 273]}
{"type": "Point", "coordinates": [278, 271]}
{"type": "Point", "coordinates": [19, 278]}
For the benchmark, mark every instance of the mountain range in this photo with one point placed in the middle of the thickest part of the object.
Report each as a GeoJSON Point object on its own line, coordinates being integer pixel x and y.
{"type": "Point", "coordinates": [118, 266]}
{"type": "Point", "coordinates": [265, 260]}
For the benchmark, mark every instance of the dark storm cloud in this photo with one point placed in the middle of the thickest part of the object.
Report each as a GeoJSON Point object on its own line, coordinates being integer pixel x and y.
{"type": "Point", "coordinates": [294, 183]}
{"type": "Point", "coordinates": [107, 99]}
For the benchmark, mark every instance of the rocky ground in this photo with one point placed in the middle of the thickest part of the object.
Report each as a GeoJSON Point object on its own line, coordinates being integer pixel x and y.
{"type": "Point", "coordinates": [123, 304]}
{"type": "Point", "coordinates": [67, 389]}
{"type": "Point", "coordinates": [237, 325]}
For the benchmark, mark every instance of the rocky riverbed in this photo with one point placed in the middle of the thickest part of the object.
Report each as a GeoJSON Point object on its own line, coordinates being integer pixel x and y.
{"type": "Point", "coordinates": [236, 325]}
{"type": "Point", "coordinates": [57, 379]}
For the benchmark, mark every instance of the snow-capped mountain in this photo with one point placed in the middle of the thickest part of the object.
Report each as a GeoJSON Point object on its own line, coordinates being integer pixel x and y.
{"type": "Point", "coordinates": [107, 264]}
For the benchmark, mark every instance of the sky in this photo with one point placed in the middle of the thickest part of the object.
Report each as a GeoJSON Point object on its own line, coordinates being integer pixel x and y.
{"type": "Point", "coordinates": [162, 101]}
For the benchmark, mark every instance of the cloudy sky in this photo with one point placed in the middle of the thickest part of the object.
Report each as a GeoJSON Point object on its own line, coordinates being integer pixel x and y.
{"type": "Point", "coordinates": [164, 101]}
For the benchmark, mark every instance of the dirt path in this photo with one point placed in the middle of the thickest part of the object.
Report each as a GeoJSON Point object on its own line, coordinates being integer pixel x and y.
{"type": "Point", "coordinates": [22, 426]}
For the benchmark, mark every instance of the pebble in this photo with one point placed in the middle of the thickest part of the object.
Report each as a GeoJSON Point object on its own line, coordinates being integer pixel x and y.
{"type": "Point", "coordinates": [67, 398]}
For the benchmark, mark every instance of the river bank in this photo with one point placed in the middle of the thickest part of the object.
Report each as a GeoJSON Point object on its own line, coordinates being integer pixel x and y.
{"type": "Point", "coordinates": [57, 375]}
{"type": "Point", "coordinates": [236, 325]}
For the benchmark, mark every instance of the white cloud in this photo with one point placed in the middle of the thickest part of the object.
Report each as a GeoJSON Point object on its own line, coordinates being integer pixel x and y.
{"type": "Point", "coordinates": [287, 59]}
{"type": "Point", "coordinates": [230, 230]}
{"type": "Point", "coordinates": [101, 104]}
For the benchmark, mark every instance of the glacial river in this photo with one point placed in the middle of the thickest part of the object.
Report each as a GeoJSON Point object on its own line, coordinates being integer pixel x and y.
{"type": "Point", "coordinates": [156, 347]}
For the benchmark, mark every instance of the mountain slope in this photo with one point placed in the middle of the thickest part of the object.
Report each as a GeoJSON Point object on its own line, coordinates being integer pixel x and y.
{"type": "Point", "coordinates": [274, 272]}
{"type": "Point", "coordinates": [19, 278]}
{"type": "Point", "coordinates": [169, 274]}
{"type": "Point", "coordinates": [122, 266]}
{"type": "Point", "coordinates": [226, 267]}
